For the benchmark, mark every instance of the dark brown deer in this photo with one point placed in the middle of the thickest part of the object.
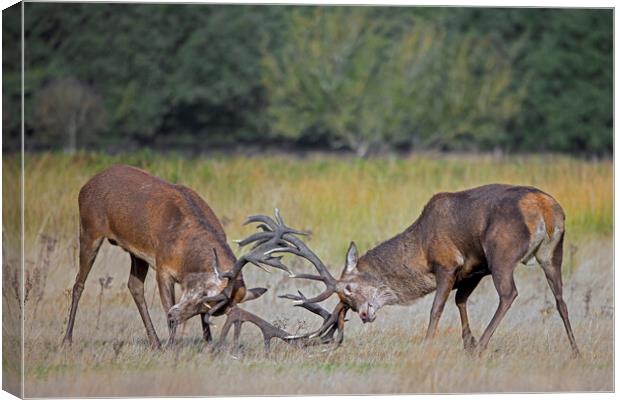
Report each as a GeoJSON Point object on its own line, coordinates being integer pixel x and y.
{"type": "Point", "coordinates": [171, 229]}
{"type": "Point", "coordinates": [457, 240]}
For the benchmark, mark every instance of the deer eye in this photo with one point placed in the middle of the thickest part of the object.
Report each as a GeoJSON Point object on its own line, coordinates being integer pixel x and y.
{"type": "Point", "coordinates": [347, 289]}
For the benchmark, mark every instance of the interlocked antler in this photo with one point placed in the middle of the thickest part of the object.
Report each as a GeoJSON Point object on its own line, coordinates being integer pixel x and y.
{"type": "Point", "coordinates": [276, 237]}
{"type": "Point", "coordinates": [237, 316]}
{"type": "Point", "coordinates": [287, 242]}
{"type": "Point", "coordinates": [331, 321]}
{"type": "Point", "coordinates": [291, 244]}
{"type": "Point", "coordinates": [273, 235]}
{"type": "Point", "coordinates": [258, 255]}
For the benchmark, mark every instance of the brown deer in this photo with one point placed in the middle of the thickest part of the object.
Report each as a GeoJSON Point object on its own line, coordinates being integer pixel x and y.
{"type": "Point", "coordinates": [171, 229]}
{"type": "Point", "coordinates": [457, 240]}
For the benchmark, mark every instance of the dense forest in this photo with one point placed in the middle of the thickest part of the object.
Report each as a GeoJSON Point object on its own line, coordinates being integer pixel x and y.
{"type": "Point", "coordinates": [363, 79]}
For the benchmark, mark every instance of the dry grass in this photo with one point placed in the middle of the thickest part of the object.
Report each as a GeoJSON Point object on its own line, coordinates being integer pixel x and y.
{"type": "Point", "coordinates": [339, 199]}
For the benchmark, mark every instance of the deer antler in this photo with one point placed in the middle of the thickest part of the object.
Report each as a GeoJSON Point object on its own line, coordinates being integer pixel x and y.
{"type": "Point", "coordinates": [332, 321]}
{"type": "Point", "coordinates": [279, 238]}
{"type": "Point", "coordinates": [276, 237]}
{"type": "Point", "coordinates": [271, 235]}
{"type": "Point", "coordinates": [288, 243]}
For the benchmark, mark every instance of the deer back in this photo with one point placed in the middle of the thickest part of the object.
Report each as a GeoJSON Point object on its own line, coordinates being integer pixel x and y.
{"type": "Point", "coordinates": [455, 230]}
{"type": "Point", "coordinates": [168, 225]}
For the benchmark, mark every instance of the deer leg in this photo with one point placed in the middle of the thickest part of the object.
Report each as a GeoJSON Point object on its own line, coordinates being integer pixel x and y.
{"type": "Point", "coordinates": [445, 283]}
{"type": "Point", "coordinates": [206, 329]}
{"type": "Point", "coordinates": [139, 270]}
{"type": "Point", "coordinates": [554, 278]}
{"type": "Point", "coordinates": [165, 283]}
{"type": "Point", "coordinates": [465, 289]}
{"type": "Point", "coordinates": [89, 247]}
{"type": "Point", "coordinates": [552, 265]}
{"type": "Point", "coordinates": [504, 283]}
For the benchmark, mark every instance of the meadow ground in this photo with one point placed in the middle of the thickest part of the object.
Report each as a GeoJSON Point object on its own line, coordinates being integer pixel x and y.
{"type": "Point", "coordinates": [339, 199]}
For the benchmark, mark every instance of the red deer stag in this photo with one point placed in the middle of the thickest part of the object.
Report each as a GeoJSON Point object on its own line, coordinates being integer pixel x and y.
{"type": "Point", "coordinates": [170, 228]}
{"type": "Point", "coordinates": [457, 240]}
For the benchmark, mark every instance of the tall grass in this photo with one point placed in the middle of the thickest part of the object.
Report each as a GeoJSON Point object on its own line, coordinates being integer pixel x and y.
{"type": "Point", "coordinates": [338, 198]}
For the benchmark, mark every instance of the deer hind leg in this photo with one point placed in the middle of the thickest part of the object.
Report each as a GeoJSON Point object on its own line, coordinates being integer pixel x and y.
{"type": "Point", "coordinates": [502, 265]}
{"type": "Point", "coordinates": [445, 282]}
{"type": "Point", "coordinates": [89, 246]}
{"type": "Point", "coordinates": [139, 270]}
{"type": "Point", "coordinates": [465, 289]}
{"type": "Point", "coordinates": [549, 256]}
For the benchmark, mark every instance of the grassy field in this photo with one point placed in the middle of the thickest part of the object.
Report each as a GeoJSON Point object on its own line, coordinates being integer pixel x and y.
{"type": "Point", "coordinates": [339, 199]}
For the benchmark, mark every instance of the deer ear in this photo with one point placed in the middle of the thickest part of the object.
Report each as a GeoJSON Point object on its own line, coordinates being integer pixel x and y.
{"type": "Point", "coordinates": [351, 262]}
{"type": "Point", "coordinates": [216, 265]}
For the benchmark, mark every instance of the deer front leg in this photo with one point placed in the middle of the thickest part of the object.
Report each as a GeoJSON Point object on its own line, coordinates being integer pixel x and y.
{"type": "Point", "coordinates": [206, 329]}
{"type": "Point", "coordinates": [465, 289]}
{"type": "Point", "coordinates": [165, 283]}
{"type": "Point", "coordinates": [445, 282]}
{"type": "Point", "coordinates": [139, 270]}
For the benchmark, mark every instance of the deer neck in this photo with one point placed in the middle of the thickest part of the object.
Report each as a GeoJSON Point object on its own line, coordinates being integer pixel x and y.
{"type": "Point", "coordinates": [398, 270]}
{"type": "Point", "coordinates": [199, 253]}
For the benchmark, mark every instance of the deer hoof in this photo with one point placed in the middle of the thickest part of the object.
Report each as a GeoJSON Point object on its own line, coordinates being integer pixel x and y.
{"type": "Point", "coordinates": [469, 343]}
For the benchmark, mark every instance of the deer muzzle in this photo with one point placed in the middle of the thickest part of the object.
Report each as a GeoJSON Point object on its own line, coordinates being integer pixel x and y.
{"type": "Point", "coordinates": [367, 313]}
{"type": "Point", "coordinates": [175, 317]}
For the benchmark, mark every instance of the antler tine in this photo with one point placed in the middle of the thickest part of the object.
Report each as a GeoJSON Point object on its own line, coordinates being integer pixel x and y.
{"type": "Point", "coordinates": [264, 227]}
{"type": "Point", "coordinates": [296, 246]}
{"type": "Point", "coordinates": [327, 324]}
{"type": "Point", "coordinates": [277, 225]}
{"type": "Point", "coordinates": [315, 308]}
{"type": "Point", "coordinates": [271, 236]}
{"type": "Point", "coordinates": [258, 236]}
{"type": "Point", "coordinates": [266, 220]}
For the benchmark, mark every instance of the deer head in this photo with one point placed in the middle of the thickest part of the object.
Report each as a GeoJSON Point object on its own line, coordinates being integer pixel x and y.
{"type": "Point", "coordinates": [209, 292]}
{"type": "Point", "coordinates": [197, 290]}
{"type": "Point", "coordinates": [360, 291]}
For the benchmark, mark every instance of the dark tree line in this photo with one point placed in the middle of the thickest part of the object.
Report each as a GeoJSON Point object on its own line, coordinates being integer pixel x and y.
{"type": "Point", "coordinates": [129, 76]}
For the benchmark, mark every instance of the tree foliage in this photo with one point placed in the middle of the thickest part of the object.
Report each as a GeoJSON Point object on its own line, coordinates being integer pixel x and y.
{"type": "Point", "coordinates": [363, 88]}
{"type": "Point", "coordinates": [65, 110]}
{"type": "Point", "coordinates": [362, 78]}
